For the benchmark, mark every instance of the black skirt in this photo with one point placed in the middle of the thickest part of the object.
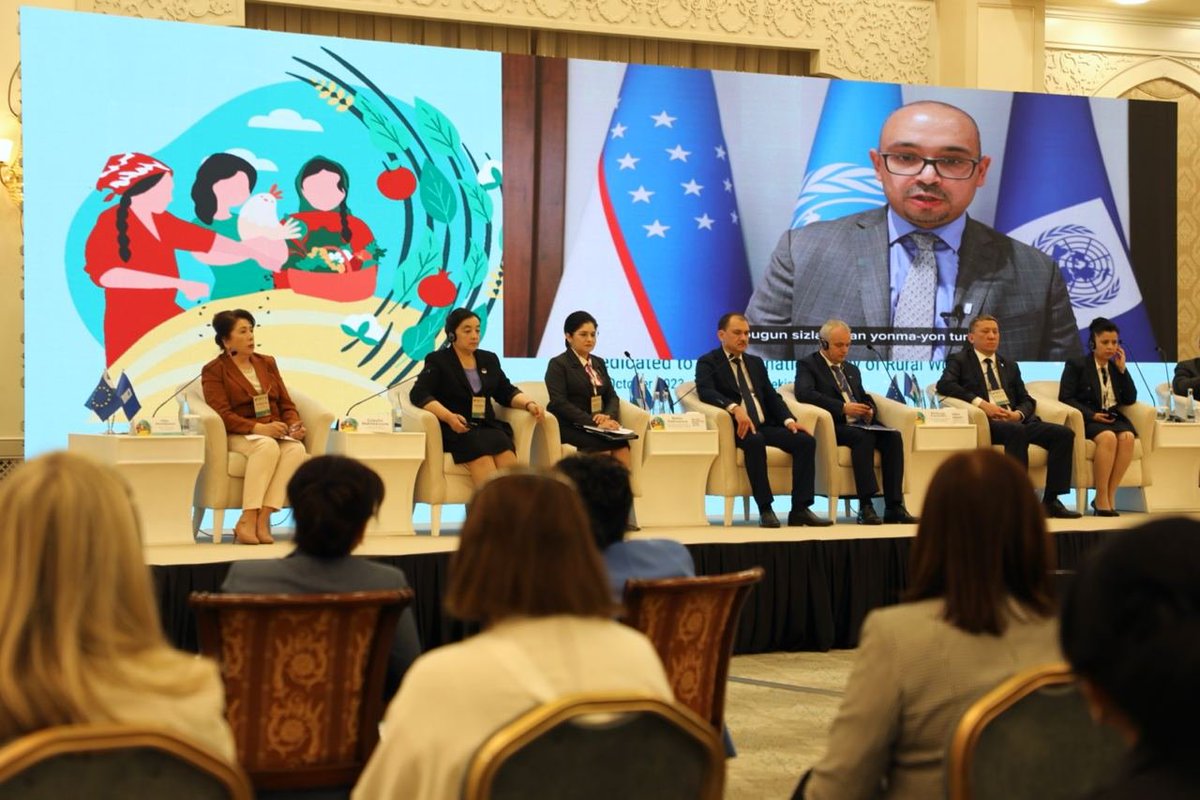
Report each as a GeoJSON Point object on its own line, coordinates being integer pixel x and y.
{"type": "Point", "coordinates": [488, 438]}
{"type": "Point", "coordinates": [587, 441]}
{"type": "Point", "coordinates": [1120, 425]}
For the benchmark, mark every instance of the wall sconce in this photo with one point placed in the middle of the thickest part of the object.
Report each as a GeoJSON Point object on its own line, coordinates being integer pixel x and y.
{"type": "Point", "coordinates": [11, 174]}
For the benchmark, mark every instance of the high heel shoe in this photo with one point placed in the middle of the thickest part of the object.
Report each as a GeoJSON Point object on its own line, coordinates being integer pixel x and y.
{"type": "Point", "coordinates": [244, 531]}
{"type": "Point", "coordinates": [263, 528]}
{"type": "Point", "coordinates": [1103, 512]}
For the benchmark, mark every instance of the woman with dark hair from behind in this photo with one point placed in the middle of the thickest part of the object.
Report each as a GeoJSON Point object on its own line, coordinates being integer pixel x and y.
{"type": "Point", "coordinates": [603, 485]}
{"type": "Point", "coordinates": [978, 610]}
{"type": "Point", "coordinates": [1131, 631]}
{"type": "Point", "coordinates": [526, 568]}
{"type": "Point", "coordinates": [333, 498]}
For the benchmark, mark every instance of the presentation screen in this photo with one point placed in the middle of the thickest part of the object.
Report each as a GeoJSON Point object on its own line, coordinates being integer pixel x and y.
{"type": "Point", "coordinates": [350, 194]}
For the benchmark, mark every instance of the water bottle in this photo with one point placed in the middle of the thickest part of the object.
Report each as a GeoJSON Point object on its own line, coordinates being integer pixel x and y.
{"type": "Point", "coordinates": [1191, 408]}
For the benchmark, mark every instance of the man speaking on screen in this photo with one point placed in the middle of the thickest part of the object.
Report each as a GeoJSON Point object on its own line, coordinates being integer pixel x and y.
{"type": "Point", "coordinates": [921, 263]}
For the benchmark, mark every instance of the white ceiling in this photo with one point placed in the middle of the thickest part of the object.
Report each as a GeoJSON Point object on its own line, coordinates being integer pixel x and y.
{"type": "Point", "coordinates": [1151, 8]}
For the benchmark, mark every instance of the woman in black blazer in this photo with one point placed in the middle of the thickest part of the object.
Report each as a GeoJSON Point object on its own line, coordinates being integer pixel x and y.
{"type": "Point", "coordinates": [581, 392]}
{"type": "Point", "coordinates": [457, 386]}
{"type": "Point", "coordinates": [1096, 384]}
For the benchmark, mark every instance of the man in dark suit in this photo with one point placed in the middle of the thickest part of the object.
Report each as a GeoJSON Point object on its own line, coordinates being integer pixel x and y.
{"type": "Point", "coordinates": [828, 380]}
{"type": "Point", "coordinates": [980, 376]}
{"type": "Point", "coordinates": [920, 263]}
{"type": "Point", "coordinates": [731, 379]}
{"type": "Point", "coordinates": [1187, 376]}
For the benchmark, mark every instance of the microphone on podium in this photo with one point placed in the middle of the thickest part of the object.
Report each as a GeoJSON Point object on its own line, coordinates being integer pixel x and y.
{"type": "Point", "coordinates": [382, 391]}
{"type": "Point", "coordinates": [174, 394]}
{"type": "Point", "coordinates": [891, 378]}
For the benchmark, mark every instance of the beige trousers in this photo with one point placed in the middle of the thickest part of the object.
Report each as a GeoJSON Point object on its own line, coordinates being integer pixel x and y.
{"type": "Point", "coordinates": [270, 464]}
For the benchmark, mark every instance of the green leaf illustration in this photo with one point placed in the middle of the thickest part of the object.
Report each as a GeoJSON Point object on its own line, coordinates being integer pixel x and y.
{"type": "Point", "coordinates": [418, 340]}
{"type": "Point", "coordinates": [478, 202]}
{"type": "Point", "coordinates": [384, 135]}
{"type": "Point", "coordinates": [437, 194]}
{"type": "Point", "coordinates": [475, 270]}
{"type": "Point", "coordinates": [422, 261]}
{"type": "Point", "coordinates": [441, 133]}
{"type": "Point", "coordinates": [481, 311]}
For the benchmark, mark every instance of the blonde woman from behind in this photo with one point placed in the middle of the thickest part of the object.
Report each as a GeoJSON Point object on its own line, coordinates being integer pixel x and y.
{"type": "Point", "coordinates": [81, 640]}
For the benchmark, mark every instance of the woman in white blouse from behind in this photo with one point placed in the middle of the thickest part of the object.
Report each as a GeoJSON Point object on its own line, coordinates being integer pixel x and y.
{"type": "Point", "coordinates": [526, 567]}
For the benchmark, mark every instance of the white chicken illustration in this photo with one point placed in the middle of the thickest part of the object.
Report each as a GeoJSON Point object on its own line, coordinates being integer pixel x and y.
{"type": "Point", "coordinates": [259, 218]}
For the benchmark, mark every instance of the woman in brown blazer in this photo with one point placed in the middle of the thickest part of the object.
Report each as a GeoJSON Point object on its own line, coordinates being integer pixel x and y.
{"type": "Point", "coordinates": [261, 421]}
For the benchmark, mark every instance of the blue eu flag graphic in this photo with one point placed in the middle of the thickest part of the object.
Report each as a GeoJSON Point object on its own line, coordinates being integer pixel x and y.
{"type": "Point", "coordinates": [104, 400]}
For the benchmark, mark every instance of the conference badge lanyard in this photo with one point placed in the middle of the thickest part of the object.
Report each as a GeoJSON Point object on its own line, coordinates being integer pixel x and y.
{"type": "Point", "coordinates": [478, 407]}
{"type": "Point", "coordinates": [998, 397]}
{"type": "Point", "coordinates": [262, 405]}
{"type": "Point", "coordinates": [597, 404]}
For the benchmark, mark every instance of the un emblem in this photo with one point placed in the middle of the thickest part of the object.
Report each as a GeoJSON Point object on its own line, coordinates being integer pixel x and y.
{"type": "Point", "coordinates": [836, 190]}
{"type": "Point", "coordinates": [1086, 264]}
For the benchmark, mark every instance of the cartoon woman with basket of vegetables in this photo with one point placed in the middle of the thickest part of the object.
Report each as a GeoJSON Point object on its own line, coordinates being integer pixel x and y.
{"type": "Point", "coordinates": [337, 256]}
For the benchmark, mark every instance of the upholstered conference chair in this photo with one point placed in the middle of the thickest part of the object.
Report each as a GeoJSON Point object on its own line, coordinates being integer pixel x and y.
{"type": "Point", "coordinates": [692, 623]}
{"type": "Point", "coordinates": [1031, 738]}
{"type": "Point", "coordinates": [548, 448]}
{"type": "Point", "coordinates": [439, 479]}
{"type": "Point", "coordinates": [727, 476]}
{"type": "Point", "coordinates": [219, 485]}
{"type": "Point", "coordinates": [303, 679]}
{"type": "Point", "coordinates": [600, 746]}
{"type": "Point", "coordinates": [835, 472]}
{"type": "Point", "coordinates": [1140, 414]}
{"type": "Point", "coordinates": [115, 762]}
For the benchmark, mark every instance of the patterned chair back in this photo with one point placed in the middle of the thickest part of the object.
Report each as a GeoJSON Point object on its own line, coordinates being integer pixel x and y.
{"type": "Point", "coordinates": [113, 762]}
{"type": "Point", "coordinates": [692, 623]}
{"type": "Point", "coordinates": [303, 679]}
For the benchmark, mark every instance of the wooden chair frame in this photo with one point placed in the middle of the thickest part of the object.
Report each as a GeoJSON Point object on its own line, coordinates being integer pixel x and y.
{"type": "Point", "coordinates": [29, 751]}
{"type": "Point", "coordinates": [207, 607]}
{"type": "Point", "coordinates": [504, 743]}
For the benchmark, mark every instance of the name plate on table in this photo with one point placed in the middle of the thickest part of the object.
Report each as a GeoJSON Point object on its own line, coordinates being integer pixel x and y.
{"type": "Point", "coordinates": [943, 416]}
{"type": "Point", "coordinates": [374, 423]}
{"type": "Point", "coordinates": [157, 426]}
{"type": "Point", "coordinates": [691, 421]}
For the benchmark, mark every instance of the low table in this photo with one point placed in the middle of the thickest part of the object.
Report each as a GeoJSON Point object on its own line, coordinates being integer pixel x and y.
{"type": "Point", "coordinates": [161, 471]}
{"type": "Point", "coordinates": [396, 457]}
{"type": "Point", "coordinates": [674, 476]}
{"type": "Point", "coordinates": [932, 444]}
{"type": "Point", "coordinates": [1173, 464]}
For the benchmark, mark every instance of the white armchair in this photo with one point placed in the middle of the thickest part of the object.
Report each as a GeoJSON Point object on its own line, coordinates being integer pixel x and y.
{"type": "Point", "coordinates": [439, 479]}
{"type": "Point", "coordinates": [548, 447]}
{"type": "Point", "coordinates": [727, 476]}
{"type": "Point", "coordinates": [219, 485]}
{"type": "Point", "coordinates": [1140, 414]}
{"type": "Point", "coordinates": [835, 471]}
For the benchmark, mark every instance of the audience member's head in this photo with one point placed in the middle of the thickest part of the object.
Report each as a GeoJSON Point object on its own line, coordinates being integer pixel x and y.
{"type": "Point", "coordinates": [603, 483]}
{"type": "Point", "coordinates": [75, 593]}
{"type": "Point", "coordinates": [332, 499]}
{"type": "Point", "coordinates": [981, 543]}
{"type": "Point", "coordinates": [1131, 628]}
{"type": "Point", "coordinates": [526, 551]}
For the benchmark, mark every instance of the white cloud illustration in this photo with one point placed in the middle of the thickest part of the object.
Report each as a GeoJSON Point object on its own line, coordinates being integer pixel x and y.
{"type": "Point", "coordinates": [260, 164]}
{"type": "Point", "coordinates": [285, 119]}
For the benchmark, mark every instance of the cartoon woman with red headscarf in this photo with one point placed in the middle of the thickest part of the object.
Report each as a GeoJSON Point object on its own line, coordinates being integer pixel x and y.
{"type": "Point", "coordinates": [131, 251]}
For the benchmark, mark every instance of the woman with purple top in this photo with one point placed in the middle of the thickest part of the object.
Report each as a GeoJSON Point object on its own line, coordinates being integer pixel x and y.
{"type": "Point", "coordinates": [457, 386]}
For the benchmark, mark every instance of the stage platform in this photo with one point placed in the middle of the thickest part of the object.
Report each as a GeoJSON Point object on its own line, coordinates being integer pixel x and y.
{"type": "Point", "coordinates": [819, 582]}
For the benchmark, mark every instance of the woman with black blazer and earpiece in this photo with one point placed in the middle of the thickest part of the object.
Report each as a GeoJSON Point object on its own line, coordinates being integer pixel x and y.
{"type": "Point", "coordinates": [581, 392]}
{"type": "Point", "coordinates": [1096, 384]}
{"type": "Point", "coordinates": [457, 386]}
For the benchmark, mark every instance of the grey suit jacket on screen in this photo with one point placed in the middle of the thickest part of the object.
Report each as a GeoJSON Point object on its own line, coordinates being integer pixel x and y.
{"type": "Point", "coordinates": [300, 573]}
{"type": "Point", "coordinates": [840, 270]}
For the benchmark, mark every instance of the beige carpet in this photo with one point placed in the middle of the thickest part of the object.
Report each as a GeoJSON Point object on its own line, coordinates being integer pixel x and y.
{"type": "Point", "coordinates": [778, 708]}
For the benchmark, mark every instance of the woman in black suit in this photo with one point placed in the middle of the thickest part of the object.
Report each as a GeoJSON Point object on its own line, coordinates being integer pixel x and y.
{"type": "Point", "coordinates": [457, 386]}
{"type": "Point", "coordinates": [1096, 384]}
{"type": "Point", "coordinates": [581, 392]}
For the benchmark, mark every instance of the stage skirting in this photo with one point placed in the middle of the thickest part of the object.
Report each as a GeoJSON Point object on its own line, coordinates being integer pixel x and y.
{"type": "Point", "coordinates": [814, 594]}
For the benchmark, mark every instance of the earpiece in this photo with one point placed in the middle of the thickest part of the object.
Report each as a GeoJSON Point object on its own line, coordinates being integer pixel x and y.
{"type": "Point", "coordinates": [451, 336]}
{"type": "Point", "coordinates": [824, 344]}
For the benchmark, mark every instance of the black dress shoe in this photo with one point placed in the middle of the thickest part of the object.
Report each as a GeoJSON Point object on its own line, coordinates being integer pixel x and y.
{"type": "Point", "coordinates": [1103, 512]}
{"type": "Point", "coordinates": [867, 515]}
{"type": "Point", "coordinates": [767, 519]}
{"type": "Point", "coordinates": [1055, 508]}
{"type": "Point", "coordinates": [899, 515]}
{"type": "Point", "coordinates": [806, 517]}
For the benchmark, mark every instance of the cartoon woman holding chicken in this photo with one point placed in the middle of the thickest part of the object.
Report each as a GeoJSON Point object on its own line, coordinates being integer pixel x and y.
{"type": "Point", "coordinates": [224, 182]}
{"type": "Point", "coordinates": [333, 240]}
{"type": "Point", "coordinates": [130, 252]}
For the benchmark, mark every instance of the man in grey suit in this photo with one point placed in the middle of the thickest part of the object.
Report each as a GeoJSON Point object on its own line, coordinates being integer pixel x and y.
{"type": "Point", "coordinates": [332, 499]}
{"type": "Point", "coordinates": [920, 263]}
